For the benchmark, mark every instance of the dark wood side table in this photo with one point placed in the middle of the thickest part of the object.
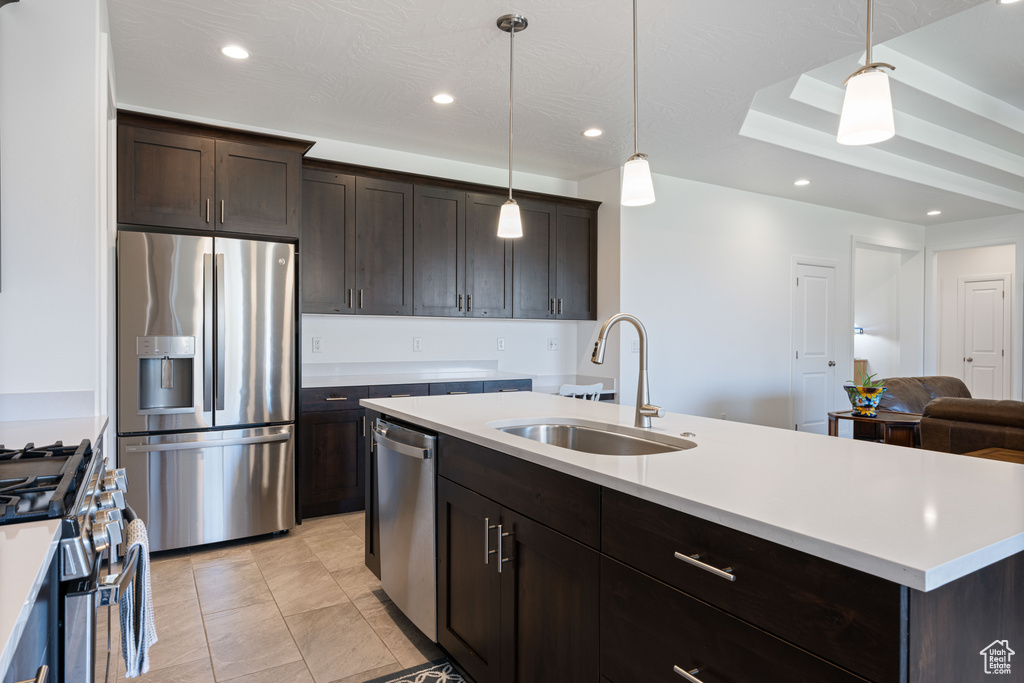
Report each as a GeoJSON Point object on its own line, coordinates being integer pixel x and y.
{"type": "Point", "coordinates": [1004, 454]}
{"type": "Point", "coordinates": [897, 429]}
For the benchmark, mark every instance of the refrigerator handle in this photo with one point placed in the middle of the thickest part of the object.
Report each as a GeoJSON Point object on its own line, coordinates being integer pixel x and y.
{"type": "Point", "coordinates": [212, 443]}
{"type": "Point", "coordinates": [221, 298]}
{"type": "Point", "coordinates": [207, 332]}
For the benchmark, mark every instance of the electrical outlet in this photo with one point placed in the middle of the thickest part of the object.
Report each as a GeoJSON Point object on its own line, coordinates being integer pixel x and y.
{"type": "Point", "coordinates": [722, 416]}
{"type": "Point", "coordinates": [635, 347]}
{"type": "Point", "coordinates": [417, 343]}
{"type": "Point", "coordinates": [318, 345]}
{"type": "Point", "coordinates": [501, 343]}
{"type": "Point", "coordinates": [552, 343]}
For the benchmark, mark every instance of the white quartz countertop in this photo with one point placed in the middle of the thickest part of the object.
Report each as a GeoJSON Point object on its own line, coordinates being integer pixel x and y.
{"type": "Point", "coordinates": [315, 382]}
{"type": "Point", "coordinates": [918, 518]}
{"type": "Point", "coordinates": [27, 548]}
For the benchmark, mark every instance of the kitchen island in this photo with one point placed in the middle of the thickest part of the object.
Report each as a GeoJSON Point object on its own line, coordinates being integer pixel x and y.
{"type": "Point", "coordinates": [925, 545]}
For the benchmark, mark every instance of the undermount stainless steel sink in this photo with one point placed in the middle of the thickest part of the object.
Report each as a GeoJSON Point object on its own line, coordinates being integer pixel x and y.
{"type": "Point", "coordinates": [598, 439]}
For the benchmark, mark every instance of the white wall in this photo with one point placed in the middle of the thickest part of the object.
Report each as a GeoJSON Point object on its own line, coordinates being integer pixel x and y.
{"type": "Point", "coordinates": [985, 232]}
{"type": "Point", "coordinates": [952, 265]}
{"type": "Point", "coordinates": [51, 210]}
{"type": "Point", "coordinates": [708, 270]}
{"type": "Point", "coordinates": [876, 308]}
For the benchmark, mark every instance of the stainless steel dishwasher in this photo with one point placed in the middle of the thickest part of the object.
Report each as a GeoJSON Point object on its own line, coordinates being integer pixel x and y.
{"type": "Point", "coordinates": [406, 512]}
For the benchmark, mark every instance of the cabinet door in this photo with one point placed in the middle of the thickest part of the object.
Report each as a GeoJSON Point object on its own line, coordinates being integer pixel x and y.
{"type": "Point", "coordinates": [383, 247]}
{"type": "Point", "coordinates": [468, 588]}
{"type": "Point", "coordinates": [576, 267]}
{"type": "Point", "coordinates": [331, 462]}
{"type": "Point", "coordinates": [488, 259]}
{"type": "Point", "coordinates": [439, 252]}
{"type": "Point", "coordinates": [259, 189]}
{"type": "Point", "coordinates": [533, 262]}
{"type": "Point", "coordinates": [164, 179]}
{"type": "Point", "coordinates": [327, 243]}
{"type": "Point", "coordinates": [549, 605]}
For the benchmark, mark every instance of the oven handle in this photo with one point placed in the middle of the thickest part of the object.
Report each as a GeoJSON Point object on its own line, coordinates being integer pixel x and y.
{"type": "Point", "coordinates": [41, 675]}
{"type": "Point", "coordinates": [212, 443]}
{"type": "Point", "coordinates": [113, 586]}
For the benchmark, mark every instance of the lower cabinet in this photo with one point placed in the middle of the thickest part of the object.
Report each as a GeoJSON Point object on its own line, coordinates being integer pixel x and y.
{"type": "Point", "coordinates": [331, 462]}
{"type": "Point", "coordinates": [517, 601]}
{"type": "Point", "coordinates": [652, 632]}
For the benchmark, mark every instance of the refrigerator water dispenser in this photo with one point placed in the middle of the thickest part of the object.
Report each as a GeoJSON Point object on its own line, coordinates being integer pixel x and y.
{"type": "Point", "coordinates": [165, 374]}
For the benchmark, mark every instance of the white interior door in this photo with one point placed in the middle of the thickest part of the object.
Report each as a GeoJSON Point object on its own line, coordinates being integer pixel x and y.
{"type": "Point", "coordinates": [984, 338]}
{"type": "Point", "coordinates": [814, 371]}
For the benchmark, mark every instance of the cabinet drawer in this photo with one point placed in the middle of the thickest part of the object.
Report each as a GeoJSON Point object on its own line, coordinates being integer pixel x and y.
{"type": "Point", "coordinates": [332, 398]}
{"type": "Point", "coordinates": [649, 628]}
{"type": "Point", "coordinates": [397, 390]}
{"type": "Point", "coordinates": [844, 615]}
{"type": "Point", "coordinates": [442, 388]}
{"type": "Point", "coordinates": [564, 503]}
{"type": "Point", "coordinates": [500, 385]}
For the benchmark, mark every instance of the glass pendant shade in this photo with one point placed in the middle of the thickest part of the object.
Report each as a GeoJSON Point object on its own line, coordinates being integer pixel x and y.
{"type": "Point", "coordinates": [637, 187]}
{"type": "Point", "coordinates": [510, 223]}
{"type": "Point", "coordinates": [867, 110]}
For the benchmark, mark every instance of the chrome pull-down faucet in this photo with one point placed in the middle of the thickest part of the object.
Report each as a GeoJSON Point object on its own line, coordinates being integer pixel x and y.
{"type": "Point", "coordinates": [644, 410]}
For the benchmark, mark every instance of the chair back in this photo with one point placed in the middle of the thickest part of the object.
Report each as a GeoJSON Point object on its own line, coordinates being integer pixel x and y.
{"type": "Point", "coordinates": [591, 392]}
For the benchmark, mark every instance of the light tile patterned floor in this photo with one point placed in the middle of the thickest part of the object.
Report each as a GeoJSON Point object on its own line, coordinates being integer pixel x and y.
{"type": "Point", "coordinates": [294, 608]}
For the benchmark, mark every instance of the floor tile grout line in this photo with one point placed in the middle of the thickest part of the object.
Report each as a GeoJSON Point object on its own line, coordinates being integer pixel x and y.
{"type": "Point", "coordinates": [285, 620]}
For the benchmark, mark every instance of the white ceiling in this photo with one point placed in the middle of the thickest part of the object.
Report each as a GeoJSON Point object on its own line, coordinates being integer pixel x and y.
{"type": "Point", "coordinates": [741, 93]}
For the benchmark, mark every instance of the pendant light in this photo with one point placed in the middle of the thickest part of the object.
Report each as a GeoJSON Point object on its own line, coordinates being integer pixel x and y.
{"type": "Point", "coordinates": [867, 107]}
{"type": "Point", "coordinates": [637, 187]}
{"type": "Point", "coordinates": [510, 223]}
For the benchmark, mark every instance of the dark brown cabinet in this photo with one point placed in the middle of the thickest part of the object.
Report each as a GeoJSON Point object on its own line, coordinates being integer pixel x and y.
{"type": "Point", "coordinates": [462, 268]}
{"type": "Point", "coordinates": [331, 459]}
{"type": "Point", "coordinates": [383, 247]}
{"type": "Point", "coordinates": [534, 260]}
{"type": "Point", "coordinates": [576, 264]}
{"type": "Point", "coordinates": [388, 243]}
{"type": "Point", "coordinates": [327, 242]}
{"type": "Point", "coordinates": [555, 263]}
{"type": "Point", "coordinates": [177, 174]}
{"type": "Point", "coordinates": [333, 477]}
{"type": "Point", "coordinates": [517, 601]}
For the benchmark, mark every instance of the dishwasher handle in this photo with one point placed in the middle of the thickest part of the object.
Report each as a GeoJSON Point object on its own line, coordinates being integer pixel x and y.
{"type": "Point", "coordinates": [401, 440]}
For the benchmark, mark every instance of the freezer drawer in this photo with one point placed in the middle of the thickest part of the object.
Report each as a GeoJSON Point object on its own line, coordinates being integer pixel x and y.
{"type": "Point", "coordinates": [197, 488]}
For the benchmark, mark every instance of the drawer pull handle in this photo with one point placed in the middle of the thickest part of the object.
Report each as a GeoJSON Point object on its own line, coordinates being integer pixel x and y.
{"type": "Point", "coordinates": [504, 391]}
{"type": "Point", "coordinates": [399, 395]}
{"type": "Point", "coordinates": [336, 398]}
{"type": "Point", "coordinates": [695, 561]}
{"type": "Point", "coordinates": [452, 393]}
{"type": "Point", "coordinates": [487, 540]}
{"type": "Point", "coordinates": [688, 675]}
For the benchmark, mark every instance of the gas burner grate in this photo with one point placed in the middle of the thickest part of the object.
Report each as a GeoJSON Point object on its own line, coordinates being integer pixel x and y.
{"type": "Point", "coordinates": [40, 482]}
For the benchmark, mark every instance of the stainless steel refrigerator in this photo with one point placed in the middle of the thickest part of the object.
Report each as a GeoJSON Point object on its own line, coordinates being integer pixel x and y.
{"type": "Point", "coordinates": [206, 385]}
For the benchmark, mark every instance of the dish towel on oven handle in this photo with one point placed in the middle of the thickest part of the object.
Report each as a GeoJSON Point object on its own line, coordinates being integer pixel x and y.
{"type": "Point", "coordinates": [138, 628]}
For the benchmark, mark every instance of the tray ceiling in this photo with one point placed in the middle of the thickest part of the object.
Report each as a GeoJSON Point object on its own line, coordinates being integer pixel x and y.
{"type": "Point", "coordinates": [740, 93]}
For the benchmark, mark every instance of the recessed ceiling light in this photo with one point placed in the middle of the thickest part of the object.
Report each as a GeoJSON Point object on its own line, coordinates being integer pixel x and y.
{"type": "Point", "coordinates": [593, 132]}
{"type": "Point", "coordinates": [443, 99]}
{"type": "Point", "coordinates": [934, 213]}
{"type": "Point", "coordinates": [802, 182]}
{"type": "Point", "coordinates": [235, 52]}
{"type": "Point", "coordinates": [1006, 2]}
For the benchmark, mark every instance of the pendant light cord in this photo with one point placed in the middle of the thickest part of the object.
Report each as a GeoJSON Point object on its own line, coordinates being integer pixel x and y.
{"type": "Point", "coordinates": [636, 95]}
{"type": "Point", "coordinates": [511, 80]}
{"type": "Point", "coordinates": [867, 58]}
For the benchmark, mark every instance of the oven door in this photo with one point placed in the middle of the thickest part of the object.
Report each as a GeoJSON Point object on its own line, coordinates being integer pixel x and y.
{"type": "Point", "coordinates": [78, 621]}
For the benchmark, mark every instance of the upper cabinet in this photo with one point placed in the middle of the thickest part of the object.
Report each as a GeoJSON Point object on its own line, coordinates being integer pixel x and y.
{"type": "Point", "coordinates": [176, 174]}
{"type": "Point", "coordinates": [387, 243]}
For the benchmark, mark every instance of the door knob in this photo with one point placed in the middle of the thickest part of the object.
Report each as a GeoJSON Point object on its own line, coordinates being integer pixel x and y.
{"type": "Point", "coordinates": [970, 359]}
{"type": "Point", "coordinates": [831, 363]}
